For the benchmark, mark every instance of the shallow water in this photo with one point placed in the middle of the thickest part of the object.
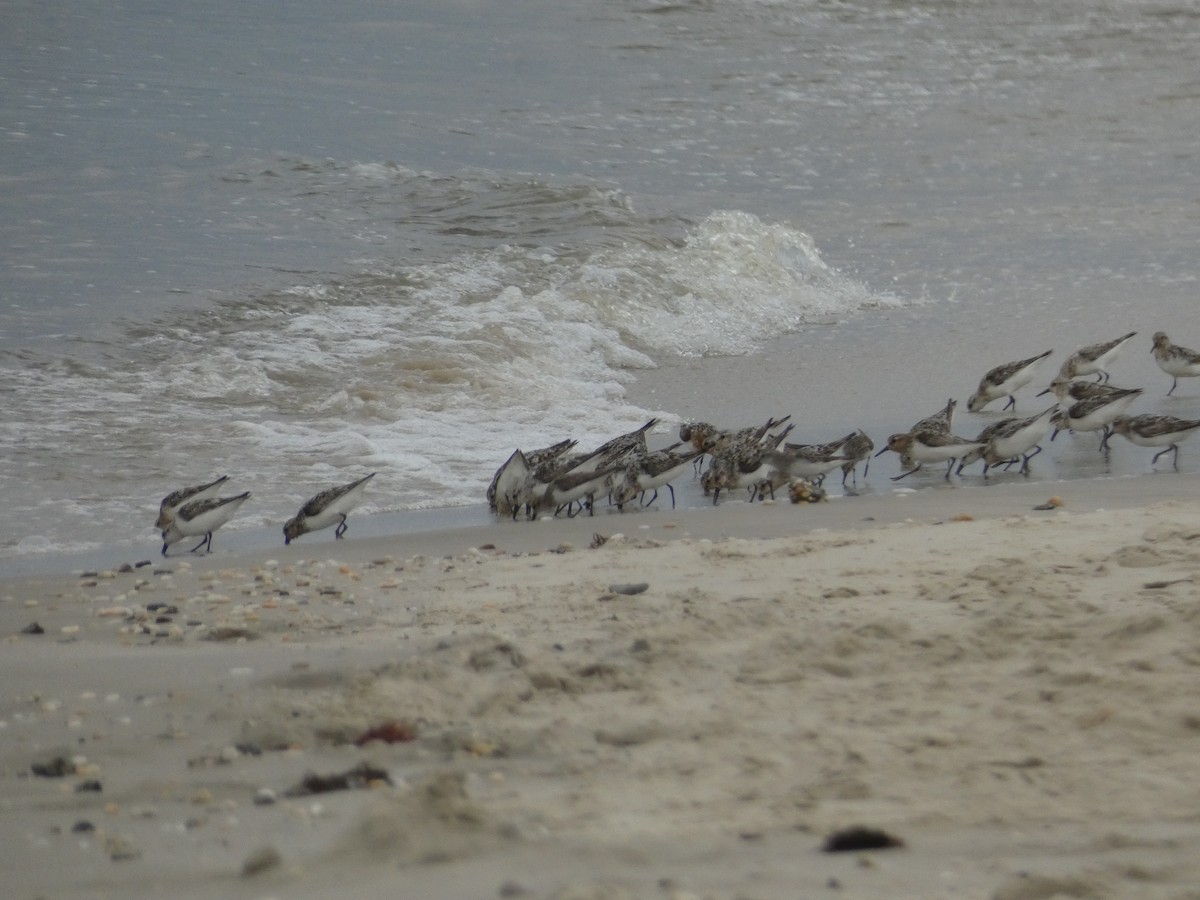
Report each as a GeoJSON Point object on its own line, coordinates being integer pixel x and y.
{"type": "Point", "coordinates": [408, 239]}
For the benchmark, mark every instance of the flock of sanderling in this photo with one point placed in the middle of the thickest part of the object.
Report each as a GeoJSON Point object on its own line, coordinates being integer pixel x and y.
{"type": "Point", "coordinates": [761, 459]}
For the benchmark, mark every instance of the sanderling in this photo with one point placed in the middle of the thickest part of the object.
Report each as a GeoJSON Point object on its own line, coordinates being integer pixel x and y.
{"type": "Point", "coordinates": [1093, 359]}
{"type": "Point", "coordinates": [928, 446]}
{"type": "Point", "coordinates": [1096, 414]}
{"type": "Point", "coordinates": [650, 471]}
{"type": "Point", "coordinates": [1004, 381]}
{"type": "Point", "coordinates": [709, 438]}
{"type": "Point", "coordinates": [576, 486]}
{"type": "Point", "coordinates": [176, 499]}
{"type": "Point", "coordinates": [742, 463]}
{"type": "Point", "coordinates": [1156, 431]}
{"type": "Point", "coordinates": [1178, 362]}
{"type": "Point", "coordinates": [810, 461]}
{"type": "Point", "coordinates": [325, 508]}
{"type": "Point", "coordinates": [201, 517]}
{"type": "Point", "coordinates": [940, 422]}
{"type": "Point", "coordinates": [857, 450]}
{"type": "Point", "coordinates": [506, 491]}
{"type": "Point", "coordinates": [1008, 439]}
{"type": "Point", "coordinates": [513, 472]}
{"type": "Point", "coordinates": [608, 453]}
{"type": "Point", "coordinates": [1068, 391]}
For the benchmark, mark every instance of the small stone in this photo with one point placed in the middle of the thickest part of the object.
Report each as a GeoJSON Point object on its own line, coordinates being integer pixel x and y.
{"type": "Point", "coordinates": [629, 589]}
{"type": "Point", "coordinates": [265, 797]}
{"type": "Point", "coordinates": [121, 849]}
{"type": "Point", "coordinates": [91, 786]}
{"type": "Point", "coordinates": [33, 628]}
{"type": "Point", "coordinates": [83, 826]}
{"type": "Point", "coordinates": [55, 768]}
{"type": "Point", "coordinates": [261, 860]}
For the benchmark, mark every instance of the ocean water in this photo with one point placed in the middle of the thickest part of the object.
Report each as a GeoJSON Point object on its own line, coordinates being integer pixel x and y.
{"type": "Point", "coordinates": [293, 245]}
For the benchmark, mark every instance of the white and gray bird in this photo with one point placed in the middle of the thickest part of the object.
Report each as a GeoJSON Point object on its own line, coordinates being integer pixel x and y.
{"type": "Point", "coordinates": [201, 517]}
{"type": "Point", "coordinates": [326, 508]}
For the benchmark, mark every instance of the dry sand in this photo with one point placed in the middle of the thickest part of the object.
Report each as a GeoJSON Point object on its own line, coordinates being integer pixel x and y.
{"type": "Point", "coordinates": [1010, 692]}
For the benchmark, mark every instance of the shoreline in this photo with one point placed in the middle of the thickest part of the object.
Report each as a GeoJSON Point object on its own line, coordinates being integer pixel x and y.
{"type": "Point", "coordinates": [460, 528]}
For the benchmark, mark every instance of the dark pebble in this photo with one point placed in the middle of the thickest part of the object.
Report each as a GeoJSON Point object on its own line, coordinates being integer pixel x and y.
{"type": "Point", "coordinates": [83, 825]}
{"type": "Point", "coordinates": [33, 628]}
{"type": "Point", "coordinates": [162, 620]}
{"type": "Point", "coordinates": [55, 768]}
{"type": "Point", "coordinates": [352, 779]}
{"type": "Point", "coordinates": [859, 837]}
{"type": "Point", "coordinates": [513, 889]}
{"type": "Point", "coordinates": [91, 786]}
{"type": "Point", "coordinates": [125, 569]}
{"type": "Point", "coordinates": [89, 574]}
{"type": "Point", "coordinates": [143, 563]}
{"type": "Point", "coordinates": [629, 589]}
{"type": "Point", "coordinates": [246, 748]}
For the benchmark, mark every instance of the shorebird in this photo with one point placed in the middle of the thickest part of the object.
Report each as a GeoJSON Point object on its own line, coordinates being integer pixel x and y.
{"type": "Point", "coordinates": [575, 486]}
{"type": "Point", "coordinates": [928, 446]}
{"type": "Point", "coordinates": [939, 422]}
{"type": "Point", "coordinates": [1095, 414]}
{"type": "Point", "coordinates": [325, 508]}
{"type": "Point", "coordinates": [511, 475]}
{"type": "Point", "coordinates": [201, 517]}
{"type": "Point", "coordinates": [171, 503]}
{"type": "Point", "coordinates": [811, 461]}
{"type": "Point", "coordinates": [1004, 381]}
{"type": "Point", "coordinates": [1068, 391]}
{"type": "Point", "coordinates": [650, 471]}
{"type": "Point", "coordinates": [607, 454]}
{"type": "Point", "coordinates": [1178, 362]}
{"type": "Point", "coordinates": [1156, 431]}
{"type": "Point", "coordinates": [742, 463]}
{"type": "Point", "coordinates": [1093, 359]}
{"type": "Point", "coordinates": [1008, 439]}
{"type": "Point", "coordinates": [857, 449]}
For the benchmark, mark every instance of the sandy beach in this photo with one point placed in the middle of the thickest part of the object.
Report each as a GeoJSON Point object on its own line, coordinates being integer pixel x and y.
{"type": "Point", "coordinates": [658, 705]}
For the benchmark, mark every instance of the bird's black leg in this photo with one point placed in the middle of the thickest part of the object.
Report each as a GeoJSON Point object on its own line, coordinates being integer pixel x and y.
{"type": "Point", "coordinates": [341, 529]}
{"type": "Point", "coordinates": [906, 474]}
{"type": "Point", "coordinates": [1173, 447]}
{"type": "Point", "coordinates": [1011, 404]}
{"type": "Point", "coordinates": [672, 490]}
{"type": "Point", "coordinates": [1025, 463]}
{"type": "Point", "coordinates": [207, 540]}
{"type": "Point", "coordinates": [652, 499]}
{"type": "Point", "coordinates": [1174, 384]}
{"type": "Point", "coordinates": [164, 550]}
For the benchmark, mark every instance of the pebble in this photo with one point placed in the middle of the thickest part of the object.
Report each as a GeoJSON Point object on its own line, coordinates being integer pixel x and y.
{"type": "Point", "coordinates": [629, 589]}
{"type": "Point", "coordinates": [261, 860]}
{"type": "Point", "coordinates": [121, 849]}
{"type": "Point", "coordinates": [265, 797]}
